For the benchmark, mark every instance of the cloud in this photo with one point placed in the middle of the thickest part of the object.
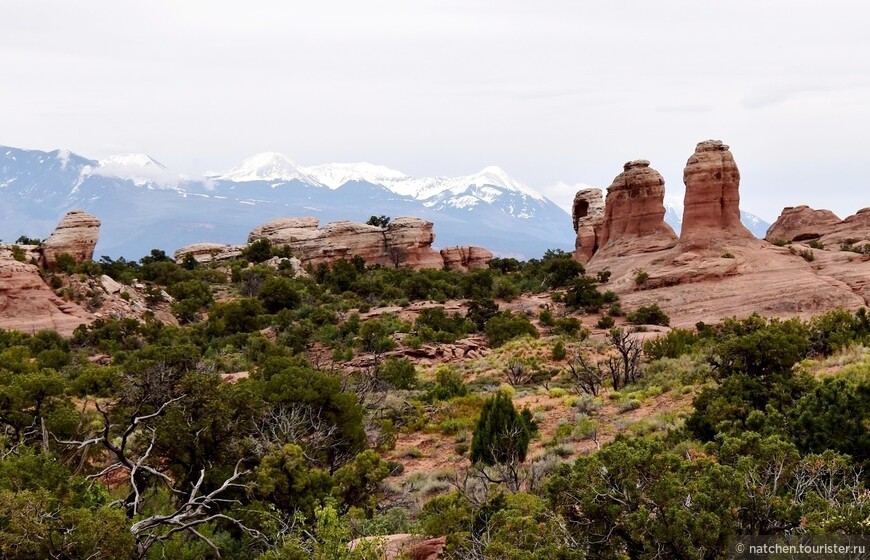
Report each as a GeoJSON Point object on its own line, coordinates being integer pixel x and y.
{"type": "Point", "coordinates": [563, 194]}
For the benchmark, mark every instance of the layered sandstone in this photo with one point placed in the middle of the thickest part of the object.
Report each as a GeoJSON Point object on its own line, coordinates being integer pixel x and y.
{"type": "Point", "coordinates": [466, 257]}
{"type": "Point", "coordinates": [28, 304]}
{"type": "Point", "coordinates": [411, 547]}
{"type": "Point", "coordinates": [634, 213]}
{"type": "Point", "coordinates": [854, 230]}
{"type": "Point", "coordinates": [286, 230]}
{"type": "Point", "coordinates": [207, 252]}
{"type": "Point", "coordinates": [712, 203]}
{"type": "Point", "coordinates": [76, 234]}
{"type": "Point", "coordinates": [587, 213]}
{"type": "Point", "coordinates": [405, 242]}
{"type": "Point", "coordinates": [798, 223]}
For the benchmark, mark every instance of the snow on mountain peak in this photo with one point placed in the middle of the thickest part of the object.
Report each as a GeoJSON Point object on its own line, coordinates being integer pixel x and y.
{"type": "Point", "coordinates": [497, 177]}
{"type": "Point", "coordinates": [334, 175]}
{"type": "Point", "coordinates": [268, 166]}
{"type": "Point", "coordinates": [142, 169]}
{"type": "Point", "coordinates": [131, 161]}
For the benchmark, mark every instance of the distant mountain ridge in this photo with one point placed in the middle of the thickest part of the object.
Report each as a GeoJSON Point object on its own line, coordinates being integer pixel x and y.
{"type": "Point", "coordinates": [143, 205]}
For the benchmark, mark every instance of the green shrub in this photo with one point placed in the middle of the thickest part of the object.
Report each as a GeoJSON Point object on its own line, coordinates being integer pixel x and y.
{"type": "Point", "coordinates": [673, 345]}
{"type": "Point", "coordinates": [606, 322]}
{"type": "Point", "coordinates": [649, 315]}
{"type": "Point", "coordinates": [640, 277]}
{"type": "Point", "coordinates": [507, 325]}
{"type": "Point", "coordinates": [399, 372]}
{"type": "Point", "coordinates": [258, 251]}
{"type": "Point", "coordinates": [448, 384]}
{"type": "Point", "coordinates": [502, 434]}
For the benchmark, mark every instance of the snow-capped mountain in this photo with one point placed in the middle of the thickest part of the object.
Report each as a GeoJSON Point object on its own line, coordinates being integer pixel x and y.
{"type": "Point", "coordinates": [141, 169]}
{"type": "Point", "coordinates": [268, 166]}
{"type": "Point", "coordinates": [143, 205]}
{"type": "Point", "coordinates": [334, 175]}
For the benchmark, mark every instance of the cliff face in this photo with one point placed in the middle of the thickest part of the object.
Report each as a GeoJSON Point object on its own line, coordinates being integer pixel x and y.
{"type": "Point", "coordinates": [634, 214]}
{"type": "Point", "coordinates": [712, 202]}
{"type": "Point", "coordinates": [29, 305]}
{"type": "Point", "coordinates": [405, 242]}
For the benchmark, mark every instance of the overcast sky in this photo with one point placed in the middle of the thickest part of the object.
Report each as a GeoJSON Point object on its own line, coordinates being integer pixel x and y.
{"type": "Point", "coordinates": [553, 92]}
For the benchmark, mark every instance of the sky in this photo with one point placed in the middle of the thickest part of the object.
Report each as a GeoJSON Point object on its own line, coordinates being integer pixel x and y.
{"type": "Point", "coordinates": [557, 93]}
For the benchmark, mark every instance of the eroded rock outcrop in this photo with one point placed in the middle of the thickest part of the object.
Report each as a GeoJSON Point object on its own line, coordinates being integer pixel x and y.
{"type": "Point", "coordinates": [854, 230]}
{"type": "Point", "coordinates": [719, 269]}
{"type": "Point", "coordinates": [634, 213]}
{"type": "Point", "coordinates": [28, 304]}
{"type": "Point", "coordinates": [712, 203]}
{"type": "Point", "coordinates": [405, 242]}
{"type": "Point", "coordinates": [287, 230]}
{"type": "Point", "coordinates": [76, 234]}
{"type": "Point", "coordinates": [412, 547]}
{"type": "Point", "coordinates": [466, 257]}
{"type": "Point", "coordinates": [587, 213]}
{"type": "Point", "coordinates": [207, 252]}
{"type": "Point", "coordinates": [798, 223]}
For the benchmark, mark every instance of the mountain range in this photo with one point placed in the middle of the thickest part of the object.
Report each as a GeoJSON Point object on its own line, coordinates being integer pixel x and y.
{"type": "Point", "coordinates": [143, 205]}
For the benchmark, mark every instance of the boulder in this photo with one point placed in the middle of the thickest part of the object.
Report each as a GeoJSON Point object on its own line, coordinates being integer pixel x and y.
{"type": "Point", "coordinates": [466, 257]}
{"type": "Point", "coordinates": [634, 213]}
{"type": "Point", "coordinates": [799, 223]}
{"type": "Point", "coordinates": [76, 234]}
{"type": "Point", "coordinates": [588, 215]}
{"type": "Point", "coordinates": [27, 304]}
{"type": "Point", "coordinates": [712, 202]}
{"type": "Point", "coordinates": [410, 547]}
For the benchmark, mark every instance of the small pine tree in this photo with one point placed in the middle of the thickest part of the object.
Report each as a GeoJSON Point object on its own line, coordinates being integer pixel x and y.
{"type": "Point", "coordinates": [502, 434]}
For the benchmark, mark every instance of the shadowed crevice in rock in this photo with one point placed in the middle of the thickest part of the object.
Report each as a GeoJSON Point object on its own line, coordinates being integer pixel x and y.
{"type": "Point", "coordinates": [588, 215]}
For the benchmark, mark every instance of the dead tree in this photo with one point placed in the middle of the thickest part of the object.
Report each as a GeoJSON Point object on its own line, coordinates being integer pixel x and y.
{"type": "Point", "coordinates": [586, 376]}
{"type": "Point", "coordinates": [624, 368]}
{"type": "Point", "coordinates": [128, 451]}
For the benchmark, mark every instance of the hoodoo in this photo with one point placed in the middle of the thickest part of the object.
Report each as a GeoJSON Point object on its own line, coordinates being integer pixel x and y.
{"type": "Point", "coordinates": [634, 213]}
{"type": "Point", "coordinates": [712, 203]}
{"type": "Point", "coordinates": [76, 234]}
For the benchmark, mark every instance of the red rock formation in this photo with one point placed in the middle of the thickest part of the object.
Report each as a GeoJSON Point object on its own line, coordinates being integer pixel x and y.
{"type": "Point", "coordinates": [634, 213]}
{"type": "Point", "coordinates": [588, 215]}
{"type": "Point", "coordinates": [409, 244]}
{"type": "Point", "coordinates": [405, 242]}
{"type": "Point", "coordinates": [466, 257]}
{"type": "Point", "coordinates": [797, 223]}
{"type": "Point", "coordinates": [712, 203]}
{"type": "Point", "coordinates": [76, 234]}
{"type": "Point", "coordinates": [854, 230]}
{"type": "Point", "coordinates": [286, 230]}
{"type": "Point", "coordinates": [27, 304]}
{"type": "Point", "coordinates": [412, 547]}
{"type": "Point", "coordinates": [207, 252]}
